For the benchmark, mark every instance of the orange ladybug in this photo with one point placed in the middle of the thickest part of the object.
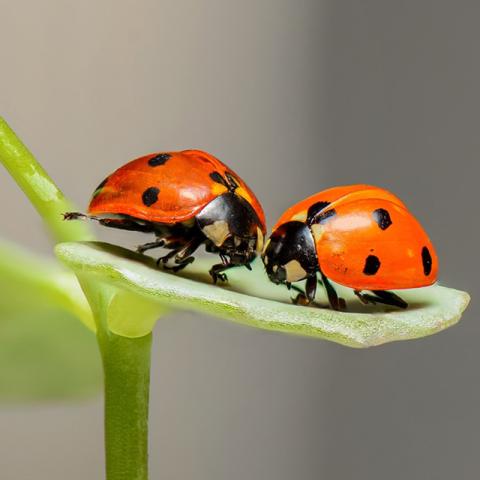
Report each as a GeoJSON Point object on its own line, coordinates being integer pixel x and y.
{"type": "Point", "coordinates": [185, 199]}
{"type": "Point", "coordinates": [359, 236]}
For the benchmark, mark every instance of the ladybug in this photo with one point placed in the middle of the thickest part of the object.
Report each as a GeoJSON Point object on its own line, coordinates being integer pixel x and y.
{"type": "Point", "coordinates": [185, 199]}
{"type": "Point", "coordinates": [359, 236]}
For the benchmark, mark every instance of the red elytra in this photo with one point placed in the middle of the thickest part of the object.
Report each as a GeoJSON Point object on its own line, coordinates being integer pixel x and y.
{"type": "Point", "coordinates": [184, 182]}
{"type": "Point", "coordinates": [359, 236]}
{"type": "Point", "coordinates": [186, 199]}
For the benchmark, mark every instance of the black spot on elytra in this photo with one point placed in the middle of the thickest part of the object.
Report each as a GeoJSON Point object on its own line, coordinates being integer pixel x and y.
{"type": "Point", "coordinates": [150, 196]}
{"type": "Point", "coordinates": [427, 261]}
{"type": "Point", "coordinates": [159, 159]}
{"type": "Point", "coordinates": [232, 182]}
{"type": "Point", "coordinates": [216, 177]}
{"type": "Point", "coordinates": [382, 217]}
{"type": "Point", "coordinates": [372, 264]}
{"type": "Point", "coordinates": [99, 188]}
{"type": "Point", "coordinates": [314, 210]}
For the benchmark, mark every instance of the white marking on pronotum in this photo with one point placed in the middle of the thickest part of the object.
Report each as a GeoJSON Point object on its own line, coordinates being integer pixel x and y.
{"type": "Point", "coordinates": [294, 271]}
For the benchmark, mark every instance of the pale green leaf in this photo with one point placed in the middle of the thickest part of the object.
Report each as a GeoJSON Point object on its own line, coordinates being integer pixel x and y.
{"type": "Point", "coordinates": [251, 299]}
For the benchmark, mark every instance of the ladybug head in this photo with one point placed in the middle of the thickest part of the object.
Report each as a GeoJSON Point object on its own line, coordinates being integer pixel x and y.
{"type": "Point", "coordinates": [290, 254]}
{"type": "Point", "coordinates": [232, 228]}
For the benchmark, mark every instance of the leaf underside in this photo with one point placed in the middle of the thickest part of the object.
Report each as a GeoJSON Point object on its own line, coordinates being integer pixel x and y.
{"type": "Point", "coordinates": [251, 299]}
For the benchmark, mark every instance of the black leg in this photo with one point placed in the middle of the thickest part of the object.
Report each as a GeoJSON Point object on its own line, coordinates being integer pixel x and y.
{"type": "Point", "coordinates": [180, 264]}
{"type": "Point", "coordinates": [307, 297]}
{"type": "Point", "coordinates": [382, 296]}
{"type": "Point", "coordinates": [121, 223]}
{"type": "Point", "coordinates": [182, 255]}
{"type": "Point", "coordinates": [216, 272]}
{"type": "Point", "coordinates": [76, 216]}
{"type": "Point", "coordinates": [331, 293]}
{"type": "Point", "coordinates": [362, 297]}
{"type": "Point", "coordinates": [168, 256]}
{"type": "Point", "coordinates": [390, 298]}
{"type": "Point", "coordinates": [159, 242]}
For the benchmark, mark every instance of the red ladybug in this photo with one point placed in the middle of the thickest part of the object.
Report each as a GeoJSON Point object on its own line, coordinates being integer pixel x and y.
{"type": "Point", "coordinates": [186, 199]}
{"type": "Point", "coordinates": [359, 236]}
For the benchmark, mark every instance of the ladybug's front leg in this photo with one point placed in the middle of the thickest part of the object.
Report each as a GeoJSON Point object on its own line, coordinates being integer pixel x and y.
{"type": "Point", "coordinates": [310, 290]}
{"type": "Point", "coordinates": [216, 272]}
{"type": "Point", "coordinates": [335, 302]}
{"type": "Point", "coordinates": [159, 242]}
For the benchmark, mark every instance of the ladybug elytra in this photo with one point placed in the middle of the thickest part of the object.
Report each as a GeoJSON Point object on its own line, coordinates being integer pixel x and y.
{"type": "Point", "coordinates": [185, 199]}
{"type": "Point", "coordinates": [359, 236]}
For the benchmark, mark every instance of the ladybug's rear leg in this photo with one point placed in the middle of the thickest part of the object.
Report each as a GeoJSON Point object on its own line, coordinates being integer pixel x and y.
{"type": "Point", "coordinates": [159, 242]}
{"type": "Point", "coordinates": [123, 222]}
{"type": "Point", "coordinates": [74, 216]}
{"type": "Point", "coordinates": [381, 296]}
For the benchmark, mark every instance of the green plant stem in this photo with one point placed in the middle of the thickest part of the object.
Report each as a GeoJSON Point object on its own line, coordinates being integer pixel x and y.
{"type": "Point", "coordinates": [42, 192]}
{"type": "Point", "coordinates": [126, 363]}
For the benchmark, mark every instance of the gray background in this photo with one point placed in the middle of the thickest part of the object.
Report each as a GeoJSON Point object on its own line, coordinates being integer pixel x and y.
{"type": "Point", "coordinates": [296, 96]}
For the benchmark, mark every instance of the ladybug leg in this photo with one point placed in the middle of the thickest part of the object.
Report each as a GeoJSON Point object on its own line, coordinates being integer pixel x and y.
{"type": "Point", "coordinates": [106, 222]}
{"type": "Point", "coordinates": [216, 272]}
{"type": "Point", "coordinates": [182, 255]}
{"type": "Point", "coordinates": [389, 298]}
{"type": "Point", "coordinates": [364, 298]}
{"type": "Point", "coordinates": [75, 216]}
{"type": "Point", "coordinates": [159, 242]}
{"type": "Point", "coordinates": [123, 223]}
{"type": "Point", "coordinates": [307, 297]}
{"type": "Point", "coordinates": [167, 257]}
{"type": "Point", "coordinates": [335, 302]}
{"type": "Point", "coordinates": [381, 296]}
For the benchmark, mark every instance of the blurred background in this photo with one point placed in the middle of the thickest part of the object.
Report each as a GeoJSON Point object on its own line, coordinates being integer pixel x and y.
{"type": "Point", "coordinates": [296, 96]}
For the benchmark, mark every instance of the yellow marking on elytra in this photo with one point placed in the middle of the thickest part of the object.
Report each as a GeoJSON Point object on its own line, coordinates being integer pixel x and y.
{"type": "Point", "coordinates": [266, 246]}
{"type": "Point", "coordinates": [243, 193]}
{"type": "Point", "coordinates": [317, 231]}
{"type": "Point", "coordinates": [218, 189]}
{"type": "Point", "coordinates": [300, 216]}
{"type": "Point", "coordinates": [260, 240]}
